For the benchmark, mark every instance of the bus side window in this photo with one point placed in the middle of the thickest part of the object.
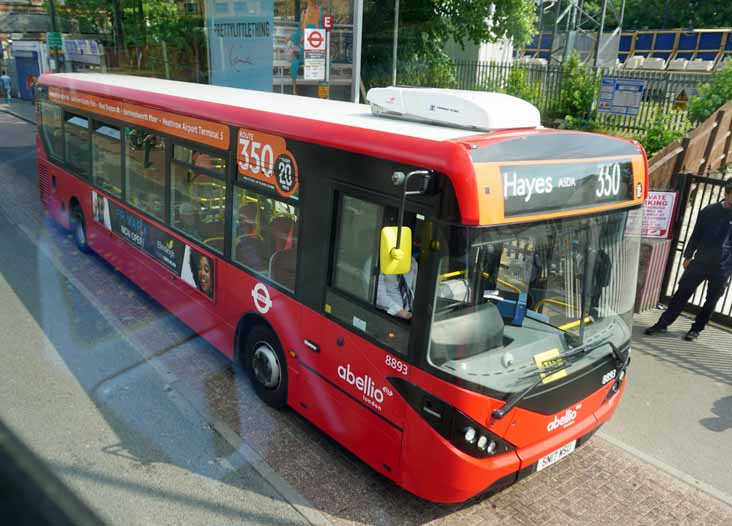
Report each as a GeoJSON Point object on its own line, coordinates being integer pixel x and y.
{"type": "Point", "coordinates": [353, 296]}
{"type": "Point", "coordinates": [265, 236]}
{"type": "Point", "coordinates": [76, 130]}
{"type": "Point", "coordinates": [107, 157]}
{"type": "Point", "coordinates": [198, 195]}
{"type": "Point", "coordinates": [144, 171]}
{"type": "Point", "coordinates": [357, 247]}
{"type": "Point", "coordinates": [52, 118]}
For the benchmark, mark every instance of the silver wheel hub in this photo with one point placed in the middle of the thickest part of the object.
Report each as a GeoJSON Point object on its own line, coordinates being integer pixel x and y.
{"type": "Point", "coordinates": [266, 366]}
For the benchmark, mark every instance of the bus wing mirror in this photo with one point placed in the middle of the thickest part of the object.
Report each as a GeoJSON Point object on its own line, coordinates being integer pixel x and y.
{"type": "Point", "coordinates": [395, 260]}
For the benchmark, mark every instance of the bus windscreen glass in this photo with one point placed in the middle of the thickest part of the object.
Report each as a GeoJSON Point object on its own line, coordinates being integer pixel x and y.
{"type": "Point", "coordinates": [547, 187]}
{"type": "Point", "coordinates": [509, 297]}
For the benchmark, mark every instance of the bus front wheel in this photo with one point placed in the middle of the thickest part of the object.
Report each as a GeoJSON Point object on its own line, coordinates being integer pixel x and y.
{"type": "Point", "coordinates": [78, 229]}
{"type": "Point", "coordinates": [266, 365]}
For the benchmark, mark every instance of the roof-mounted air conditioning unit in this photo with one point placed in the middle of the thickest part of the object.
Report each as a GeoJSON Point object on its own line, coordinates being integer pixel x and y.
{"type": "Point", "coordinates": [463, 109]}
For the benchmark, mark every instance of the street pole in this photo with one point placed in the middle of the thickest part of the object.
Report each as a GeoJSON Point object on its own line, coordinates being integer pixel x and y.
{"type": "Point", "coordinates": [357, 35]}
{"type": "Point", "coordinates": [396, 38]}
{"type": "Point", "coordinates": [52, 15]}
{"type": "Point", "coordinates": [52, 50]}
{"type": "Point", "coordinates": [600, 32]}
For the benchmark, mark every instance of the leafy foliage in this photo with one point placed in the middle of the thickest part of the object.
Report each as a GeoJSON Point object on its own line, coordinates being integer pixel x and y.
{"type": "Point", "coordinates": [138, 29]}
{"type": "Point", "coordinates": [578, 92]}
{"type": "Point", "coordinates": [519, 85]}
{"type": "Point", "coordinates": [668, 14]}
{"type": "Point", "coordinates": [424, 28]}
{"type": "Point", "coordinates": [712, 95]}
{"type": "Point", "coordinates": [659, 134]}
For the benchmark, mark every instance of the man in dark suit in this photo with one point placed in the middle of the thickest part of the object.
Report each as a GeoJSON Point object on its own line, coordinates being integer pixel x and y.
{"type": "Point", "coordinates": [707, 257]}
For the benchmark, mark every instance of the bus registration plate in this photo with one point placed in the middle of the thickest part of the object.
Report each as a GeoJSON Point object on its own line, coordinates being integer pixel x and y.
{"type": "Point", "coordinates": [556, 456]}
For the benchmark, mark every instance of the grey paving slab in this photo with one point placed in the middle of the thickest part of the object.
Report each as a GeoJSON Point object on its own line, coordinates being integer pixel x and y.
{"type": "Point", "coordinates": [678, 403]}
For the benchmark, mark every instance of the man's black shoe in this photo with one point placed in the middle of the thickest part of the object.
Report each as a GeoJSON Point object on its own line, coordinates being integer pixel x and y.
{"type": "Point", "coordinates": [691, 336]}
{"type": "Point", "coordinates": [655, 329]}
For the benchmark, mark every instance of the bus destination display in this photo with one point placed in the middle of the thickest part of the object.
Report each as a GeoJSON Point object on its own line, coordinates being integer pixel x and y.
{"type": "Point", "coordinates": [532, 188]}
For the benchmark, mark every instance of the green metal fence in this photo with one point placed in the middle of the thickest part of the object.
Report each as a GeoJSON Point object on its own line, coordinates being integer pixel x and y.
{"type": "Point", "coordinates": [662, 89]}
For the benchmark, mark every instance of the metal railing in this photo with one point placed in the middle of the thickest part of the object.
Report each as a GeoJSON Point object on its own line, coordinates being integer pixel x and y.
{"type": "Point", "coordinates": [542, 85]}
{"type": "Point", "coordinates": [698, 192]}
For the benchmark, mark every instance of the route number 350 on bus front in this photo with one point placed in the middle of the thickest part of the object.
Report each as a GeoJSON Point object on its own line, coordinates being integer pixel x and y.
{"type": "Point", "coordinates": [608, 180]}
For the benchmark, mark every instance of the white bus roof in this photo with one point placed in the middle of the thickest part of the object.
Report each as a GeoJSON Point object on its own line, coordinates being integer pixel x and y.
{"type": "Point", "coordinates": [329, 111]}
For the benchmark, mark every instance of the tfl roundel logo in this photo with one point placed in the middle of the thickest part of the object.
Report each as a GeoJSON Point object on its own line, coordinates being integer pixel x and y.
{"type": "Point", "coordinates": [262, 301]}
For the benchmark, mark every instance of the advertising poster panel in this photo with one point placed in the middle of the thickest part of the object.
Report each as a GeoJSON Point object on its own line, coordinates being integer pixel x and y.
{"type": "Point", "coordinates": [240, 43]}
{"type": "Point", "coordinates": [185, 261]}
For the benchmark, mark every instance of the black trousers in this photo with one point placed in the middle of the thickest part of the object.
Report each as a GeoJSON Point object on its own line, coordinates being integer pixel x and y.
{"type": "Point", "coordinates": [695, 275]}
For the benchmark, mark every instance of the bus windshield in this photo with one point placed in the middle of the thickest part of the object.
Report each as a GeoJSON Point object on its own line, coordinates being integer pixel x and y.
{"type": "Point", "coordinates": [509, 299]}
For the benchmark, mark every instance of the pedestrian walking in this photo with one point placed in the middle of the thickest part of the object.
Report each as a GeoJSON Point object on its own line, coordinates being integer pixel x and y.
{"type": "Point", "coordinates": [707, 257]}
{"type": "Point", "coordinates": [5, 82]}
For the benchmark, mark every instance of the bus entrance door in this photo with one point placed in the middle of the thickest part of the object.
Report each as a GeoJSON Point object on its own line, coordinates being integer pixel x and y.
{"type": "Point", "coordinates": [343, 388]}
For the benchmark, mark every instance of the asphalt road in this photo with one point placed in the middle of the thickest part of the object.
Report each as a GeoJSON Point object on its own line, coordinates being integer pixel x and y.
{"type": "Point", "coordinates": [94, 406]}
{"type": "Point", "coordinates": [150, 425]}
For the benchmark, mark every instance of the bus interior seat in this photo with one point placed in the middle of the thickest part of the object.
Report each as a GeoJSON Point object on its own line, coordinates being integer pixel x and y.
{"type": "Point", "coordinates": [252, 252]}
{"type": "Point", "coordinates": [282, 267]}
{"type": "Point", "coordinates": [283, 233]}
{"type": "Point", "coordinates": [284, 257]}
{"type": "Point", "coordinates": [217, 243]}
{"type": "Point", "coordinates": [249, 226]}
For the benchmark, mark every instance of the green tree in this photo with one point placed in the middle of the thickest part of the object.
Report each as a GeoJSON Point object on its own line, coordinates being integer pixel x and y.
{"type": "Point", "coordinates": [670, 14]}
{"type": "Point", "coordinates": [712, 95]}
{"type": "Point", "coordinates": [424, 28]}
{"type": "Point", "coordinates": [144, 33]}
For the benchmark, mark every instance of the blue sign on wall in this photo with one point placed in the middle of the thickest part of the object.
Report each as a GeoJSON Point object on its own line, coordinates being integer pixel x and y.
{"type": "Point", "coordinates": [240, 43]}
{"type": "Point", "coordinates": [620, 96]}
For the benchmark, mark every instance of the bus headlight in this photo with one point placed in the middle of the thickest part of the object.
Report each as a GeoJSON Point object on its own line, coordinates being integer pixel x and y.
{"type": "Point", "coordinates": [463, 432]}
{"type": "Point", "coordinates": [470, 435]}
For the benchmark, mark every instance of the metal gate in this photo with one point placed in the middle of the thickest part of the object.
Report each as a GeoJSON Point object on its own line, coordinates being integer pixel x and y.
{"type": "Point", "coordinates": [695, 193]}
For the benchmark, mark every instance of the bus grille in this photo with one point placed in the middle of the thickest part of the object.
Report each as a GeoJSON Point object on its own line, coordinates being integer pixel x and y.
{"type": "Point", "coordinates": [43, 183]}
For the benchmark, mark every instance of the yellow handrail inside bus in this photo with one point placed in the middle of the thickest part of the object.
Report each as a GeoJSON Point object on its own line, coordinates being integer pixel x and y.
{"type": "Point", "coordinates": [485, 275]}
{"type": "Point", "coordinates": [552, 301]}
{"type": "Point", "coordinates": [574, 324]}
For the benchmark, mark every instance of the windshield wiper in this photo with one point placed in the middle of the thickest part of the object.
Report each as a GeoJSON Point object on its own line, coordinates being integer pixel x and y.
{"type": "Point", "coordinates": [586, 349]}
{"type": "Point", "coordinates": [568, 336]}
{"type": "Point", "coordinates": [568, 357]}
{"type": "Point", "coordinates": [516, 398]}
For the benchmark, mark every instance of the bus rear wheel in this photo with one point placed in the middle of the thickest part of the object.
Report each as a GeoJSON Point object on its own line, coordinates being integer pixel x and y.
{"type": "Point", "coordinates": [266, 365]}
{"type": "Point", "coordinates": [78, 229]}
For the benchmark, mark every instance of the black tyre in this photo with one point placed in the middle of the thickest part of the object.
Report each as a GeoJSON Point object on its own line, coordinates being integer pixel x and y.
{"type": "Point", "coordinates": [78, 229]}
{"type": "Point", "coordinates": [265, 363]}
